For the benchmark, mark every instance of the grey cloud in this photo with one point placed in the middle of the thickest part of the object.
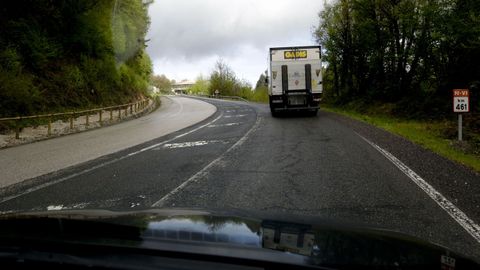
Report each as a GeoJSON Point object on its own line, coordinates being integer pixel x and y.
{"type": "Point", "coordinates": [195, 29]}
{"type": "Point", "coordinates": [187, 36]}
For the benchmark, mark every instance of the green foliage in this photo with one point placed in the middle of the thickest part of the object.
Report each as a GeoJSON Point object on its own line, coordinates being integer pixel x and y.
{"type": "Point", "coordinates": [400, 50]}
{"type": "Point", "coordinates": [130, 24]}
{"type": "Point", "coordinates": [64, 54]}
{"type": "Point", "coordinates": [18, 93]}
{"type": "Point", "coordinates": [201, 86]}
{"type": "Point", "coordinates": [260, 93]}
{"type": "Point", "coordinates": [433, 135]}
{"type": "Point", "coordinates": [162, 83]}
{"type": "Point", "coordinates": [223, 80]}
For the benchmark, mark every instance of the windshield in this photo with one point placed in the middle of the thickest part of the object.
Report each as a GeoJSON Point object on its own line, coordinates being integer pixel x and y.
{"type": "Point", "coordinates": [358, 111]}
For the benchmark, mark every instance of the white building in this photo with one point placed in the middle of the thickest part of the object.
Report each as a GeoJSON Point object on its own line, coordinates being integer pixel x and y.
{"type": "Point", "coordinates": [182, 86]}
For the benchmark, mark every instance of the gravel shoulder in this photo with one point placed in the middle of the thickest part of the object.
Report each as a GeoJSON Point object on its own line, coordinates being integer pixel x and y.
{"type": "Point", "coordinates": [459, 184]}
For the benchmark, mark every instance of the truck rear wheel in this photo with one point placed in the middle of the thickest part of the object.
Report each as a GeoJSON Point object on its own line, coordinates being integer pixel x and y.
{"type": "Point", "coordinates": [274, 113]}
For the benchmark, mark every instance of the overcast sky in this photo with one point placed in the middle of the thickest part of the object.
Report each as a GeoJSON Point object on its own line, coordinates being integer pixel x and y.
{"type": "Point", "coordinates": [188, 36]}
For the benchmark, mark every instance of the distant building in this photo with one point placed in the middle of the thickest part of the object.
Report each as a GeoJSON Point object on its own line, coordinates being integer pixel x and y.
{"type": "Point", "coordinates": [181, 87]}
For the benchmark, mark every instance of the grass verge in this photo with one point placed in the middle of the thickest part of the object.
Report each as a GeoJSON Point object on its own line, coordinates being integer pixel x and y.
{"type": "Point", "coordinates": [430, 135]}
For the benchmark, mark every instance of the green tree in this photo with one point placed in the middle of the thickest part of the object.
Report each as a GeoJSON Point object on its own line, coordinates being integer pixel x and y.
{"type": "Point", "coordinates": [411, 52]}
{"type": "Point", "coordinates": [162, 83]}
{"type": "Point", "coordinates": [71, 53]}
{"type": "Point", "coordinates": [260, 93]}
{"type": "Point", "coordinates": [201, 86]}
{"type": "Point", "coordinates": [223, 79]}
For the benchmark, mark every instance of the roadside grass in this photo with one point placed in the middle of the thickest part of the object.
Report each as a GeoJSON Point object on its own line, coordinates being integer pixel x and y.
{"type": "Point", "coordinates": [433, 135]}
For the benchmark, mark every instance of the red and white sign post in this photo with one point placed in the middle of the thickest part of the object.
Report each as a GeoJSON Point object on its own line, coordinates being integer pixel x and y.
{"type": "Point", "coordinates": [461, 104]}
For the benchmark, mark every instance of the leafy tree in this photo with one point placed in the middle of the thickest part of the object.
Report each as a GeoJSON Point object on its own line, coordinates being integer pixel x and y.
{"type": "Point", "coordinates": [64, 54]}
{"type": "Point", "coordinates": [201, 86]}
{"type": "Point", "coordinates": [408, 52]}
{"type": "Point", "coordinates": [260, 93]}
{"type": "Point", "coordinates": [162, 83]}
{"type": "Point", "coordinates": [223, 79]}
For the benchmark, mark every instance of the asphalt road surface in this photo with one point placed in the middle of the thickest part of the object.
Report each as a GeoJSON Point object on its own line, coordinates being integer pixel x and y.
{"type": "Point", "coordinates": [36, 159]}
{"type": "Point", "coordinates": [242, 158]}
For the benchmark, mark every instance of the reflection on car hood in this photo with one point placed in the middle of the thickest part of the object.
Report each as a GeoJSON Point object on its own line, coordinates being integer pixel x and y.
{"type": "Point", "coordinates": [317, 242]}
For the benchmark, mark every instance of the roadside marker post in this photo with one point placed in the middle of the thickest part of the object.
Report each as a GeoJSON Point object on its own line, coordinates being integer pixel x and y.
{"type": "Point", "coordinates": [461, 104]}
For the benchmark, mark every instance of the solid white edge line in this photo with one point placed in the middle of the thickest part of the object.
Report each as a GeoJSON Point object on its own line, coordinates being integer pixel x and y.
{"type": "Point", "coordinates": [204, 170]}
{"type": "Point", "coordinates": [460, 217]}
{"type": "Point", "coordinates": [35, 188]}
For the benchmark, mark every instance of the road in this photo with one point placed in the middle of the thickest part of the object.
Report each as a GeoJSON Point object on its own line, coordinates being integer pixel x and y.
{"type": "Point", "coordinates": [242, 158]}
{"type": "Point", "coordinates": [33, 160]}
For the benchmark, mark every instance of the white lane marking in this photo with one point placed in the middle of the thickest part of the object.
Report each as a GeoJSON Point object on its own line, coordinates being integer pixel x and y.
{"type": "Point", "coordinates": [174, 138]}
{"type": "Point", "coordinates": [461, 218]}
{"type": "Point", "coordinates": [239, 110]}
{"type": "Point", "coordinates": [205, 169]}
{"type": "Point", "coordinates": [238, 115]}
{"type": "Point", "coordinates": [134, 204]}
{"type": "Point", "coordinates": [72, 206]}
{"type": "Point", "coordinates": [188, 144]}
{"type": "Point", "coordinates": [226, 125]}
{"type": "Point", "coordinates": [54, 207]}
{"type": "Point", "coordinates": [80, 205]}
{"type": "Point", "coordinates": [35, 188]}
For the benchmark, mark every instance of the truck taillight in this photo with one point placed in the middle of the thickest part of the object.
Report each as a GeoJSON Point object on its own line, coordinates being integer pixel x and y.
{"type": "Point", "coordinates": [317, 98]}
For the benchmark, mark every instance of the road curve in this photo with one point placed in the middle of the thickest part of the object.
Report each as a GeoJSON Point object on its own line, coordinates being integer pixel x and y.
{"type": "Point", "coordinates": [242, 158]}
{"type": "Point", "coordinates": [39, 158]}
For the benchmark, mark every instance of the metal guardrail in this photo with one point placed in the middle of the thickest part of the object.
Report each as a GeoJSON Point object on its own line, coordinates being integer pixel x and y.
{"type": "Point", "coordinates": [221, 97]}
{"type": "Point", "coordinates": [133, 108]}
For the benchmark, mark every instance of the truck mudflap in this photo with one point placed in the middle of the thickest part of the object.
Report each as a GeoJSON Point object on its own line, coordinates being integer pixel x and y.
{"type": "Point", "coordinates": [295, 101]}
{"type": "Point", "coordinates": [281, 104]}
{"type": "Point", "coordinates": [312, 111]}
{"type": "Point", "coordinates": [307, 108]}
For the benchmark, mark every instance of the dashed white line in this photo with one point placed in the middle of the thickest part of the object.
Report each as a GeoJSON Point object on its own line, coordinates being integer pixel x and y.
{"type": "Point", "coordinates": [189, 144]}
{"type": "Point", "coordinates": [205, 169]}
{"type": "Point", "coordinates": [460, 217]}
{"type": "Point", "coordinates": [237, 115]}
{"type": "Point", "coordinates": [226, 125]}
{"type": "Point", "coordinates": [54, 207]}
{"type": "Point", "coordinates": [35, 188]}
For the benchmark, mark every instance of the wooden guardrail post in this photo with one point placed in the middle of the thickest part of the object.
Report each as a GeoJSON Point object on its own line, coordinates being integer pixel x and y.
{"type": "Point", "coordinates": [72, 116]}
{"type": "Point", "coordinates": [17, 128]}
{"type": "Point", "coordinates": [49, 129]}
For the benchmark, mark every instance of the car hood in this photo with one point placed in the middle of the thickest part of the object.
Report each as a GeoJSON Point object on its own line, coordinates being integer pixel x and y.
{"type": "Point", "coordinates": [297, 239]}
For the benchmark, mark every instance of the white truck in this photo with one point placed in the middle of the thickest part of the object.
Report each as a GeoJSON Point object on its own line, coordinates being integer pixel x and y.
{"type": "Point", "coordinates": [295, 79]}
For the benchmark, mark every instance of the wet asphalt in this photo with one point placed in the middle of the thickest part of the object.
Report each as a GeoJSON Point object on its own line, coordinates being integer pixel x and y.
{"type": "Point", "coordinates": [243, 158]}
